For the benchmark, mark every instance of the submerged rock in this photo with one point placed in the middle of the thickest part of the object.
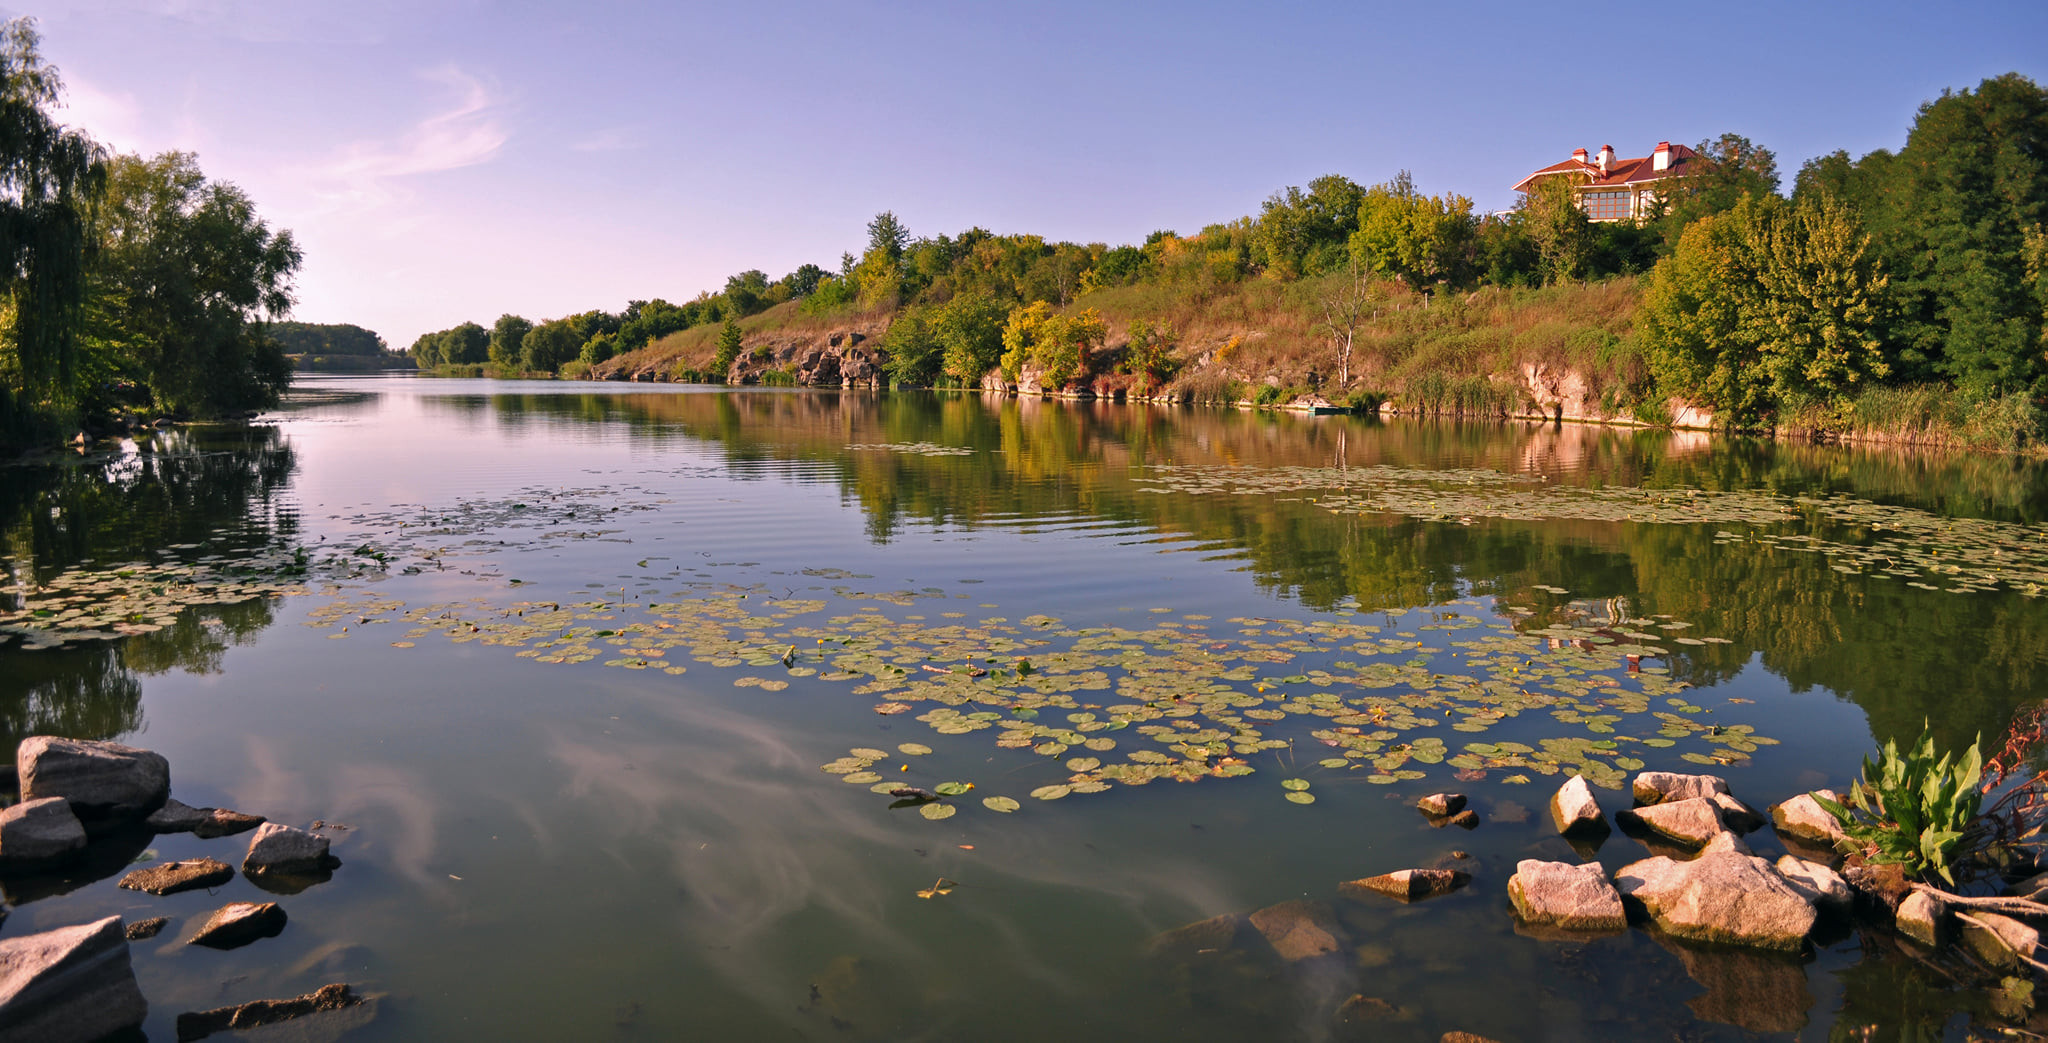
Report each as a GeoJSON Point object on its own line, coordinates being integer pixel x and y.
{"type": "Point", "coordinates": [1658, 787]}
{"type": "Point", "coordinates": [205, 823]}
{"type": "Point", "coordinates": [1201, 938]}
{"type": "Point", "coordinates": [1575, 811]}
{"type": "Point", "coordinates": [1409, 885]}
{"type": "Point", "coordinates": [1822, 886]}
{"type": "Point", "coordinates": [1691, 822]}
{"type": "Point", "coordinates": [102, 780]}
{"type": "Point", "coordinates": [283, 849]}
{"type": "Point", "coordinates": [1565, 896]}
{"type": "Point", "coordinates": [1442, 804]}
{"type": "Point", "coordinates": [255, 1014]}
{"type": "Point", "coordinates": [1724, 897]}
{"type": "Point", "coordinates": [143, 930]}
{"type": "Point", "coordinates": [2000, 941]}
{"type": "Point", "coordinates": [73, 983]}
{"type": "Point", "coordinates": [1466, 819]}
{"type": "Point", "coordinates": [1361, 1009]}
{"type": "Point", "coordinates": [1802, 818]}
{"type": "Point", "coordinates": [176, 816]}
{"type": "Point", "coordinates": [1298, 930]}
{"type": "Point", "coordinates": [224, 823]}
{"type": "Point", "coordinates": [39, 834]}
{"type": "Point", "coordinates": [173, 877]}
{"type": "Point", "coordinates": [239, 923]}
{"type": "Point", "coordinates": [1923, 918]}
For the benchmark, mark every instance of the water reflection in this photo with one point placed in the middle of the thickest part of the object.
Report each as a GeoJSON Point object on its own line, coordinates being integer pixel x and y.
{"type": "Point", "coordinates": [1903, 654]}
{"type": "Point", "coordinates": [180, 494]}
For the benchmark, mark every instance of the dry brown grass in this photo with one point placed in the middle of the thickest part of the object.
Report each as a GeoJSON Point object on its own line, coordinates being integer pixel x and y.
{"type": "Point", "coordinates": [1412, 345]}
{"type": "Point", "coordinates": [1444, 352]}
{"type": "Point", "coordinates": [779, 328]}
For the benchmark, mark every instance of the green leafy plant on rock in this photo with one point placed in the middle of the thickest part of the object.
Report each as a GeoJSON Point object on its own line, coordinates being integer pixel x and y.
{"type": "Point", "coordinates": [1912, 808]}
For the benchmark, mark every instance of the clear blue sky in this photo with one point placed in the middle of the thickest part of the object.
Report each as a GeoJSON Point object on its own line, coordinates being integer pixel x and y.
{"type": "Point", "coordinates": [445, 161]}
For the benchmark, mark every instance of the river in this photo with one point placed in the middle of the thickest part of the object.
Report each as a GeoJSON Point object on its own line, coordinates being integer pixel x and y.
{"type": "Point", "coordinates": [558, 666]}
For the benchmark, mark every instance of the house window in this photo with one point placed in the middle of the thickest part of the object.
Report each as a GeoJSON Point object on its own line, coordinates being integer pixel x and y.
{"type": "Point", "coordinates": [1606, 205]}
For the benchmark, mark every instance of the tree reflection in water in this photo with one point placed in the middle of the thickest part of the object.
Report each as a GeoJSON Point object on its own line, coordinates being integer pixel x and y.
{"type": "Point", "coordinates": [186, 494]}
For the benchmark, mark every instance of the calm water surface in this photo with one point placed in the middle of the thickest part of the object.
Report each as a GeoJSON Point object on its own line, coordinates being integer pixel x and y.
{"type": "Point", "coordinates": [539, 850]}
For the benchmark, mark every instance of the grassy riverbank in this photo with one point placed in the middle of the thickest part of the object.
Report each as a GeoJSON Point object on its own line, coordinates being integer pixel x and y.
{"type": "Point", "coordinates": [1568, 349]}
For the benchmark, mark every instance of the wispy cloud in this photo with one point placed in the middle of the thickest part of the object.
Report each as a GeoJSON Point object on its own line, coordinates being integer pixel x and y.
{"type": "Point", "coordinates": [369, 175]}
{"type": "Point", "coordinates": [611, 139]}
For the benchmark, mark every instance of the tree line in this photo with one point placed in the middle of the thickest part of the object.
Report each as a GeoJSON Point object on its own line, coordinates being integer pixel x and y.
{"type": "Point", "coordinates": [126, 282]}
{"type": "Point", "coordinates": [1928, 266]}
{"type": "Point", "coordinates": [332, 338]}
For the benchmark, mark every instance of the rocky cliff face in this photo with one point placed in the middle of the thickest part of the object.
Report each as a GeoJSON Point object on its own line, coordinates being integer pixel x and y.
{"type": "Point", "coordinates": [836, 358]}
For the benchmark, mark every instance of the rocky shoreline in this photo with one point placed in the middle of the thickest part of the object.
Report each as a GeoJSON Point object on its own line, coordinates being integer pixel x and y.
{"type": "Point", "coordinates": [1741, 923]}
{"type": "Point", "coordinates": [82, 805]}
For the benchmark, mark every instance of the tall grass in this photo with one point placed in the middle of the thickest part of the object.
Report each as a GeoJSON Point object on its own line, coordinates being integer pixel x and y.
{"type": "Point", "coordinates": [1929, 415]}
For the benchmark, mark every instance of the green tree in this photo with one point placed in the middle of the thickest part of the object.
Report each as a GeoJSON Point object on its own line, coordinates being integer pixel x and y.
{"type": "Point", "coordinates": [1966, 194]}
{"type": "Point", "coordinates": [1305, 232]}
{"type": "Point", "coordinates": [728, 348]}
{"type": "Point", "coordinates": [1769, 304]}
{"type": "Point", "coordinates": [887, 236]}
{"type": "Point", "coordinates": [508, 339]}
{"type": "Point", "coordinates": [915, 356]}
{"type": "Point", "coordinates": [1061, 346]}
{"type": "Point", "coordinates": [1562, 235]}
{"type": "Point", "coordinates": [546, 347]}
{"type": "Point", "coordinates": [1723, 172]}
{"type": "Point", "coordinates": [1403, 234]}
{"type": "Point", "coordinates": [51, 177]}
{"type": "Point", "coordinates": [969, 330]}
{"type": "Point", "coordinates": [186, 276]}
{"type": "Point", "coordinates": [1148, 351]}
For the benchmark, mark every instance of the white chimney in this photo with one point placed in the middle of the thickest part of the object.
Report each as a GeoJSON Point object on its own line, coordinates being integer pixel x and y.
{"type": "Point", "coordinates": [1579, 154]}
{"type": "Point", "coordinates": [1606, 157]}
{"type": "Point", "coordinates": [1661, 159]}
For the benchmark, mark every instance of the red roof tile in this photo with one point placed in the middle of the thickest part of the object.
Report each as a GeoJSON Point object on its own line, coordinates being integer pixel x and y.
{"type": "Point", "coordinates": [1620, 172]}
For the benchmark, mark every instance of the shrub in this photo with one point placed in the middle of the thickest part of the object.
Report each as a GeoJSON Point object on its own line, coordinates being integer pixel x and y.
{"type": "Point", "coordinates": [1912, 809]}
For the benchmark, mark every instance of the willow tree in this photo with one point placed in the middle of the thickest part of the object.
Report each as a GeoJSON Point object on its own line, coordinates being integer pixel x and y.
{"type": "Point", "coordinates": [49, 178]}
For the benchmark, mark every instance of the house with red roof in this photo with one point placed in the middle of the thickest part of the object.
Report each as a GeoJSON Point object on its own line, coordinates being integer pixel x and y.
{"type": "Point", "coordinates": [1612, 189]}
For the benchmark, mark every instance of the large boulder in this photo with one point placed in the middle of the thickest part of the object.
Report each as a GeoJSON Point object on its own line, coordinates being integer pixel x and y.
{"type": "Point", "coordinates": [279, 848]}
{"type": "Point", "coordinates": [1657, 787]}
{"type": "Point", "coordinates": [1575, 811]}
{"type": "Point", "coordinates": [1691, 822]}
{"type": "Point", "coordinates": [102, 780]}
{"type": "Point", "coordinates": [1724, 897]}
{"type": "Point", "coordinates": [73, 983]}
{"type": "Point", "coordinates": [1409, 885]}
{"type": "Point", "coordinates": [39, 834]}
{"type": "Point", "coordinates": [1802, 818]}
{"type": "Point", "coordinates": [1566, 897]}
